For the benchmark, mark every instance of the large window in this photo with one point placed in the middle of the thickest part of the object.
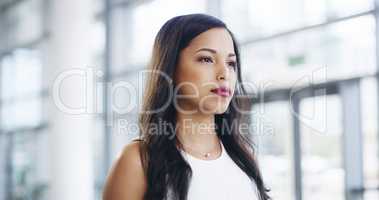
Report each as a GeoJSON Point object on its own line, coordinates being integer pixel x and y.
{"type": "Point", "coordinates": [21, 87]}
{"type": "Point", "coordinates": [135, 27]}
{"type": "Point", "coordinates": [321, 144]}
{"type": "Point", "coordinates": [294, 43]}
{"type": "Point", "coordinates": [22, 125]}
{"type": "Point", "coordinates": [369, 101]}
{"type": "Point", "coordinates": [253, 19]}
{"type": "Point", "coordinates": [340, 49]}
{"type": "Point", "coordinates": [21, 23]}
{"type": "Point", "coordinates": [272, 133]}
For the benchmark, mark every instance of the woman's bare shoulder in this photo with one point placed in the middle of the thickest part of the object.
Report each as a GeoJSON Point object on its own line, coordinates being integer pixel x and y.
{"type": "Point", "coordinates": [126, 179]}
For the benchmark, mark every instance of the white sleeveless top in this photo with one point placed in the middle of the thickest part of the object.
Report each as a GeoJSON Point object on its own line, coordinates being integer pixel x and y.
{"type": "Point", "coordinates": [219, 179]}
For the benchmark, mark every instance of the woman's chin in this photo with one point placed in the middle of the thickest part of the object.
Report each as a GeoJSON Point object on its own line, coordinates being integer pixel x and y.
{"type": "Point", "coordinates": [221, 111]}
{"type": "Point", "coordinates": [215, 110]}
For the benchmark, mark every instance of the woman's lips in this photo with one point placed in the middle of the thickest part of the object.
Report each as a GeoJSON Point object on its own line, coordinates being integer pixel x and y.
{"type": "Point", "coordinates": [222, 91]}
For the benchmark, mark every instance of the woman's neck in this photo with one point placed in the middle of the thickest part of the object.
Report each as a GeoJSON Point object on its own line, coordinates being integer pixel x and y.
{"type": "Point", "coordinates": [197, 130]}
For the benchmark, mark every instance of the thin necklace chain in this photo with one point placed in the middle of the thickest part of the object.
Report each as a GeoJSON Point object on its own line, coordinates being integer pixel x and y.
{"type": "Point", "coordinates": [206, 154]}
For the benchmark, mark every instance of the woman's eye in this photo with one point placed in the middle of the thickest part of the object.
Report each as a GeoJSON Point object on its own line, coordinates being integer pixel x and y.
{"type": "Point", "coordinates": [206, 59]}
{"type": "Point", "coordinates": [233, 64]}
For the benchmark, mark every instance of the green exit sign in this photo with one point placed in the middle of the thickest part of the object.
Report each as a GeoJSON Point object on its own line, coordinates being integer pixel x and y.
{"type": "Point", "coordinates": [296, 60]}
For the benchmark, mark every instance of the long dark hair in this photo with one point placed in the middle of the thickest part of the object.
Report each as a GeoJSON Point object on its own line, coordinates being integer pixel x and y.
{"type": "Point", "coordinates": [165, 169]}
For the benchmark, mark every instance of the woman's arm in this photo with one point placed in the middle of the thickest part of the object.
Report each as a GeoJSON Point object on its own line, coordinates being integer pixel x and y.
{"type": "Point", "coordinates": [126, 180]}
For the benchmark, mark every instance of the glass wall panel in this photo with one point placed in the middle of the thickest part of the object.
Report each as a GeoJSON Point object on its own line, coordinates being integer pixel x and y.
{"type": "Point", "coordinates": [272, 132]}
{"type": "Point", "coordinates": [338, 51]}
{"type": "Point", "coordinates": [321, 143]}
{"type": "Point", "coordinates": [259, 18]}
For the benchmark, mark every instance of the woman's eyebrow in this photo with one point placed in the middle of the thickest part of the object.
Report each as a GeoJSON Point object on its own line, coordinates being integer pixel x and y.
{"type": "Point", "coordinates": [214, 51]}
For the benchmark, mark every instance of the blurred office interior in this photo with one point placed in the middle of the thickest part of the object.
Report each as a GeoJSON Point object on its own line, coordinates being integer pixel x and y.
{"type": "Point", "coordinates": [315, 111]}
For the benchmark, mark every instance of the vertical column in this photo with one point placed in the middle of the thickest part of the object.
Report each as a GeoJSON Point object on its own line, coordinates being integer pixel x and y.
{"type": "Point", "coordinates": [67, 50]}
{"type": "Point", "coordinates": [377, 63]}
{"type": "Point", "coordinates": [9, 165]}
{"type": "Point", "coordinates": [3, 165]}
{"type": "Point", "coordinates": [295, 103]}
{"type": "Point", "coordinates": [2, 136]}
{"type": "Point", "coordinates": [352, 139]}
{"type": "Point", "coordinates": [107, 118]}
{"type": "Point", "coordinates": [121, 63]}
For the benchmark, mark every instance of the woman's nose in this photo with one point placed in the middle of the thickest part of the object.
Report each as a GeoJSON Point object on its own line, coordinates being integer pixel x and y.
{"type": "Point", "coordinates": [220, 77]}
{"type": "Point", "coordinates": [222, 72]}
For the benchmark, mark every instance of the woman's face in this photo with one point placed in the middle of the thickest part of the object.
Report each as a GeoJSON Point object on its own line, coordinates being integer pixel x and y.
{"type": "Point", "coordinates": [206, 73]}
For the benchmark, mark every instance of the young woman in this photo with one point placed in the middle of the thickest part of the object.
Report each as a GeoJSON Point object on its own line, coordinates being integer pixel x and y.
{"type": "Point", "coordinates": [195, 88]}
